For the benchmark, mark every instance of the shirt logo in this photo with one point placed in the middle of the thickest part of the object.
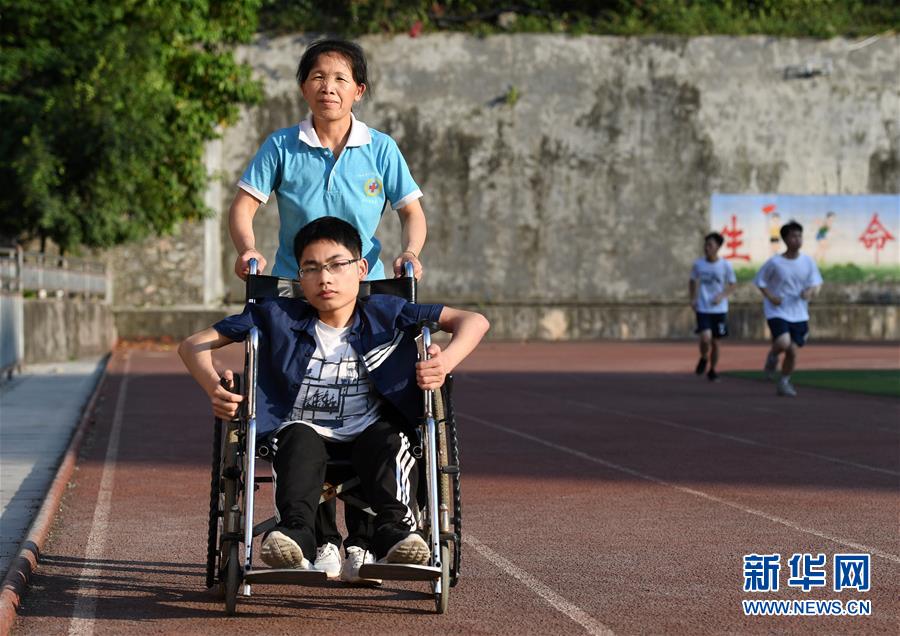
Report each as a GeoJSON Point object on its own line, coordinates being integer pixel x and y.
{"type": "Point", "coordinates": [373, 187]}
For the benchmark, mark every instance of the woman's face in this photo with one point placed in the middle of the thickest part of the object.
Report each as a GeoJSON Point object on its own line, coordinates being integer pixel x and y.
{"type": "Point", "coordinates": [329, 89]}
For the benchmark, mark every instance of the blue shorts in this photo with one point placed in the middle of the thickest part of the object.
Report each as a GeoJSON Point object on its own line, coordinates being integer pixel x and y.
{"type": "Point", "coordinates": [712, 322]}
{"type": "Point", "coordinates": [798, 330]}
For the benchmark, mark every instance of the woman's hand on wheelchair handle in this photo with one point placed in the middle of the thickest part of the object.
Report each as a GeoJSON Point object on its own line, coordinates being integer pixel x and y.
{"type": "Point", "coordinates": [403, 258]}
{"type": "Point", "coordinates": [430, 373]}
{"type": "Point", "coordinates": [242, 264]}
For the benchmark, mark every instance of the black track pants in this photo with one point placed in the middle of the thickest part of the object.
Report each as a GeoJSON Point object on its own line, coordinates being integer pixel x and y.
{"type": "Point", "coordinates": [381, 457]}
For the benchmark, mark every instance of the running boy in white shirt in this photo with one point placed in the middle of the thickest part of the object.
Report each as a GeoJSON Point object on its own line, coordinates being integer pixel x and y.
{"type": "Point", "coordinates": [712, 280]}
{"type": "Point", "coordinates": [787, 282]}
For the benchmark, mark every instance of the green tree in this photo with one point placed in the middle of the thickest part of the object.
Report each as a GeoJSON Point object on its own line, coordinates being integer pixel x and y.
{"type": "Point", "coordinates": [106, 109]}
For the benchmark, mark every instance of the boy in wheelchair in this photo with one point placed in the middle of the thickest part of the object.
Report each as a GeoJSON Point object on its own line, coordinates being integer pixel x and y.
{"type": "Point", "coordinates": [337, 379]}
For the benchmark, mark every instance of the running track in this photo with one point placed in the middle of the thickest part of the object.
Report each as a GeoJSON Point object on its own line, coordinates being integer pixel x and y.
{"type": "Point", "coordinates": [605, 490]}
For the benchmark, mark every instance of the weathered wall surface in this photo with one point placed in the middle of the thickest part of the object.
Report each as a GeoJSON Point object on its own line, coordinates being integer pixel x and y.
{"type": "Point", "coordinates": [66, 329]}
{"type": "Point", "coordinates": [566, 171]}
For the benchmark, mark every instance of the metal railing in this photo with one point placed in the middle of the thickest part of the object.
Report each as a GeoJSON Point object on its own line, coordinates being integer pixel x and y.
{"type": "Point", "coordinates": [44, 276]}
{"type": "Point", "coordinates": [12, 313]}
{"type": "Point", "coordinates": [63, 276]}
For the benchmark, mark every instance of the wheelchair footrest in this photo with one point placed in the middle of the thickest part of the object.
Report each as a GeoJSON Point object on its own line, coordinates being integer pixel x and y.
{"type": "Point", "coordinates": [399, 572]}
{"type": "Point", "coordinates": [288, 576]}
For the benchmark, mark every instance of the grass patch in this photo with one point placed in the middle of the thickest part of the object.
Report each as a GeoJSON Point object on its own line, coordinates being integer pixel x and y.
{"type": "Point", "coordinates": [846, 273]}
{"type": "Point", "coordinates": [884, 382]}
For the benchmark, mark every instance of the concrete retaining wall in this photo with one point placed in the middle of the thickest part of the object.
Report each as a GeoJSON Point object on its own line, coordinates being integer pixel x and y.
{"type": "Point", "coordinates": [572, 321]}
{"type": "Point", "coordinates": [63, 329]}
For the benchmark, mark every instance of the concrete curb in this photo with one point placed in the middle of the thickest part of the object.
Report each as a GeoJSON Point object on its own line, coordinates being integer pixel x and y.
{"type": "Point", "coordinates": [25, 564]}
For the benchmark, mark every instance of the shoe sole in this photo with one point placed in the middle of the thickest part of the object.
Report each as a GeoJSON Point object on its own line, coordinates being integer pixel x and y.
{"type": "Point", "coordinates": [409, 552]}
{"type": "Point", "coordinates": [282, 552]}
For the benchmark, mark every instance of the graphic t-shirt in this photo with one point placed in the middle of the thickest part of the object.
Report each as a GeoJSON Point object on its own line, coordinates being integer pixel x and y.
{"type": "Point", "coordinates": [335, 398]}
{"type": "Point", "coordinates": [787, 278]}
{"type": "Point", "coordinates": [712, 278]}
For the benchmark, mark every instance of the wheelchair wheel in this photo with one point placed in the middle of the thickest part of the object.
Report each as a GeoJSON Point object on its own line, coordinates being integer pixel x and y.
{"type": "Point", "coordinates": [232, 578]}
{"type": "Point", "coordinates": [215, 513]}
{"type": "Point", "coordinates": [449, 483]}
{"type": "Point", "coordinates": [442, 598]}
{"type": "Point", "coordinates": [216, 497]}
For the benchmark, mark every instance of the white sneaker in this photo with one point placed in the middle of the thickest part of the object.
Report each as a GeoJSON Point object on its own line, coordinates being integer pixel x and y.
{"type": "Point", "coordinates": [280, 551]}
{"type": "Point", "coordinates": [356, 558]}
{"type": "Point", "coordinates": [328, 560]}
{"type": "Point", "coordinates": [411, 549]}
{"type": "Point", "coordinates": [785, 388]}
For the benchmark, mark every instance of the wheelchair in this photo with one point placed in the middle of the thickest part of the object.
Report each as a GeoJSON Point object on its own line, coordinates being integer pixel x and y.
{"type": "Point", "coordinates": [234, 479]}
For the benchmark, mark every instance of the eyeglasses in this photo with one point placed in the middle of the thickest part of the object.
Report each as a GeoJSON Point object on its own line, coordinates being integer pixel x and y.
{"type": "Point", "coordinates": [335, 268]}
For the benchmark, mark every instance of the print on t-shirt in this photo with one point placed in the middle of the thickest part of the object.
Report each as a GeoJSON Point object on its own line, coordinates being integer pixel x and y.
{"type": "Point", "coordinates": [334, 391]}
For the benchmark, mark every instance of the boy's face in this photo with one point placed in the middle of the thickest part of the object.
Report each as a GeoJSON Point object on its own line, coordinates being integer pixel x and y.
{"type": "Point", "coordinates": [333, 290]}
{"type": "Point", "coordinates": [710, 248]}
{"type": "Point", "coordinates": [794, 240]}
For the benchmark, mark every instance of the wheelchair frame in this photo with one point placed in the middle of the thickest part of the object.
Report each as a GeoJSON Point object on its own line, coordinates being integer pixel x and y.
{"type": "Point", "coordinates": [234, 480]}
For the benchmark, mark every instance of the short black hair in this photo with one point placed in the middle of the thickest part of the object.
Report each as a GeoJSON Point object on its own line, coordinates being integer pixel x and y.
{"type": "Point", "coordinates": [352, 52]}
{"type": "Point", "coordinates": [718, 238]}
{"type": "Point", "coordinates": [791, 226]}
{"type": "Point", "coordinates": [328, 228]}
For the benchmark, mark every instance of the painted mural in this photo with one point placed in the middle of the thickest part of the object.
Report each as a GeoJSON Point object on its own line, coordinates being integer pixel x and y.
{"type": "Point", "coordinates": [860, 230]}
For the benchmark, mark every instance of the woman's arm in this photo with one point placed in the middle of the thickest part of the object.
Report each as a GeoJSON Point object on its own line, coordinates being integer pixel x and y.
{"type": "Point", "coordinates": [413, 229]}
{"type": "Point", "coordinates": [240, 226]}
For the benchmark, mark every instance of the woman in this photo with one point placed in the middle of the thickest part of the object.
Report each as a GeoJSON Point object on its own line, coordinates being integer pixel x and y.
{"type": "Point", "coordinates": [331, 164]}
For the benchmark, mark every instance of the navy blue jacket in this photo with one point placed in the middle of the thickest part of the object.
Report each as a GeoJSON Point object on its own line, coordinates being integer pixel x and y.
{"type": "Point", "coordinates": [382, 334]}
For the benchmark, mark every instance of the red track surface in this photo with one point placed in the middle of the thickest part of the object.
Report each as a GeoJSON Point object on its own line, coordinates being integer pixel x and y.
{"type": "Point", "coordinates": [604, 488]}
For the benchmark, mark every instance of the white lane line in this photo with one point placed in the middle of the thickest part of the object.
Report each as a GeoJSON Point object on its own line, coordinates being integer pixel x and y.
{"type": "Point", "coordinates": [705, 431]}
{"type": "Point", "coordinates": [85, 611]}
{"type": "Point", "coordinates": [571, 610]}
{"type": "Point", "coordinates": [697, 493]}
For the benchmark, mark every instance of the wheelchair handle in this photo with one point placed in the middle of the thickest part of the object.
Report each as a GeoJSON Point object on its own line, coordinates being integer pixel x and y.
{"type": "Point", "coordinates": [254, 266]}
{"type": "Point", "coordinates": [409, 271]}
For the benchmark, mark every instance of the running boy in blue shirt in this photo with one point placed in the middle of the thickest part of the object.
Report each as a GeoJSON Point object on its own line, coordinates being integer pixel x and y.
{"type": "Point", "coordinates": [337, 378]}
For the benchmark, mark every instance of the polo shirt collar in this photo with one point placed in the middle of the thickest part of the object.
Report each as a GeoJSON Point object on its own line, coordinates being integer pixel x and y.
{"type": "Point", "coordinates": [359, 133]}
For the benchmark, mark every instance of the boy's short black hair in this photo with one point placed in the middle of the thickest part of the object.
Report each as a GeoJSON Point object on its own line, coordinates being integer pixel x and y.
{"type": "Point", "coordinates": [350, 51]}
{"type": "Point", "coordinates": [718, 238]}
{"type": "Point", "coordinates": [328, 228]}
{"type": "Point", "coordinates": [790, 227]}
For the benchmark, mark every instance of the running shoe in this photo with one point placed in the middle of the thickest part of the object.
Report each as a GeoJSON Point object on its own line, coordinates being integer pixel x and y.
{"type": "Point", "coordinates": [328, 560]}
{"type": "Point", "coordinates": [712, 376]}
{"type": "Point", "coordinates": [280, 551]}
{"type": "Point", "coordinates": [411, 549]}
{"type": "Point", "coordinates": [785, 388]}
{"type": "Point", "coordinates": [356, 558]}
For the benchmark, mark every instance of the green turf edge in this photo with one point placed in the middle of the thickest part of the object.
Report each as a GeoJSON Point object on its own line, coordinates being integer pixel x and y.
{"type": "Point", "coordinates": [884, 382]}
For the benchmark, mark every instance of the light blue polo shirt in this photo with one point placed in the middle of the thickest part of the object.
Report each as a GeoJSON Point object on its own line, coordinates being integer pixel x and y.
{"type": "Point", "coordinates": [309, 184]}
